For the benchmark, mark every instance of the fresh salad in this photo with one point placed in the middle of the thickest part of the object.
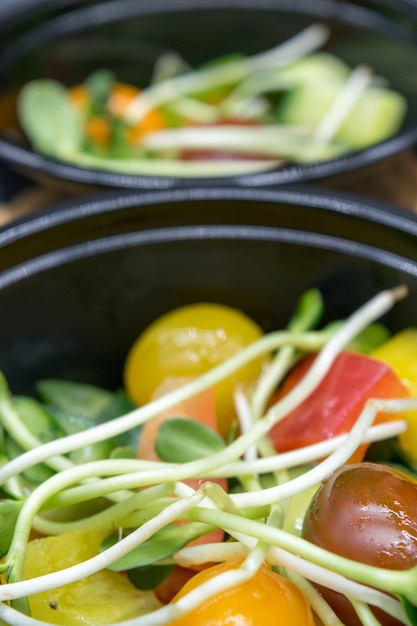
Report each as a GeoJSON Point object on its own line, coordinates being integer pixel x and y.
{"type": "Point", "coordinates": [237, 477]}
{"type": "Point", "coordinates": [293, 104]}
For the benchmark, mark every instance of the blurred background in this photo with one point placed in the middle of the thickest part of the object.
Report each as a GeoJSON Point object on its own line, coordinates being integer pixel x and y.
{"type": "Point", "coordinates": [393, 180]}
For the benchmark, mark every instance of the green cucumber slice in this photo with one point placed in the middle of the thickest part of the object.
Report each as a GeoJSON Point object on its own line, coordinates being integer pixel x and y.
{"type": "Point", "coordinates": [377, 115]}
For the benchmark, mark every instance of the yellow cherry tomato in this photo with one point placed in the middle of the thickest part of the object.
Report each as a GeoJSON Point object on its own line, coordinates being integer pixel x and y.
{"type": "Point", "coordinates": [400, 353]}
{"type": "Point", "coordinates": [265, 599]}
{"type": "Point", "coordinates": [189, 341]}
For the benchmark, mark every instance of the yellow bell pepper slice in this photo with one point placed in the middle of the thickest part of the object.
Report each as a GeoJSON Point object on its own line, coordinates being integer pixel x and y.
{"type": "Point", "coordinates": [400, 353]}
{"type": "Point", "coordinates": [102, 598]}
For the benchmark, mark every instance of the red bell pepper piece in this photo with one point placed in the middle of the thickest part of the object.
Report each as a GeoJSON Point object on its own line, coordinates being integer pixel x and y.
{"type": "Point", "coordinates": [337, 402]}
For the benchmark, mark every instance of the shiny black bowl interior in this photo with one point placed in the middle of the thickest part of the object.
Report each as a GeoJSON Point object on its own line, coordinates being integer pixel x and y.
{"type": "Point", "coordinates": [129, 35]}
{"type": "Point", "coordinates": [77, 285]}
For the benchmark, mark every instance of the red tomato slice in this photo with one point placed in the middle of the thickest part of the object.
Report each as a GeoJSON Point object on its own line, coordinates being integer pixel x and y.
{"type": "Point", "coordinates": [335, 405]}
{"type": "Point", "coordinates": [223, 155]}
{"type": "Point", "coordinates": [175, 581]}
{"type": "Point", "coordinates": [226, 155]}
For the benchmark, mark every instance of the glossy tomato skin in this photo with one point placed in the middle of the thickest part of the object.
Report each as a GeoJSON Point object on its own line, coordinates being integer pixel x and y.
{"type": "Point", "coordinates": [366, 512]}
{"type": "Point", "coordinates": [337, 402]}
{"type": "Point", "coordinates": [267, 599]}
{"type": "Point", "coordinates": [187, 342]}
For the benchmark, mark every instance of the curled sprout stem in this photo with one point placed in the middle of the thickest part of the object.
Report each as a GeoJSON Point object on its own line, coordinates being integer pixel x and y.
{"type": "Point", "coordinates": [107, 517]}
{"type": "Point", "coordinates": [255, 540]}
{"type": "Point", "coordinates": [74, 573]}
{"type": "Point", "coordinates": [310, 342]}
{"type": "Point", "coordinates": [337, 458]}
{"type": "Point", "coordinates": [359, 320]}
{"type": "Point", "coordinates": [397, 582]}
{"type": "Point", "coordinates": [356, 84]}
{"type": "Point", "coordinates": [364, 613]}
{"type": "Point", "coordinates": [306, 316]}
{"type": "Point", "coordinates": [294, 565]}
{"type": "Point", "coordinates": [202, 80]}
{"type": "Point", "coordinates": [260, 466]}
{"type": "Point", "coordinates": [315, 599]}
{"type": "Point", "coordinates": [376, 307]}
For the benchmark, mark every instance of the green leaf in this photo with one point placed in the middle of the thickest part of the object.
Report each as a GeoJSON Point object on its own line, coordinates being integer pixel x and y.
{"type": "Point", "coordinates": [70, 423]}
{"type": "Point", "coordinates": [308, 311]}
{"type": "Point", "coordinates": [370, 338]}
{"type": "Point", "coordinates": [122, 452]}
{"type": "Point", "coordinates": [36, 419]}
{"type": "Point", "coordinates": [163, 544]}
{"type": "Point", "coordinates": [180, 440]}
{"type": "Point", "coordinates": [9, 511]}
{"type": "Point", "coordinates": [99, 84]}
{"type": "Point", "coordinates": [2, 441]}
{"type": "Point", "coordinates": [122, 446]}
{"type": "Point", "coordinates": [410, 611]}
{"type": "Point", "coordinates": [120, 405]}
{"type": "Point", "coordinates": [76, 398]}
{"type": "Point", "coordinates": [93, 452]}
{"type": "Point", "coordinates": [36, 474]}
{"type": "Point", "coordinates": [221, 60]}
{"type": "Point", "coordinates": [149, 576]}
{"type": "Point", "coordinates": [49, 120]}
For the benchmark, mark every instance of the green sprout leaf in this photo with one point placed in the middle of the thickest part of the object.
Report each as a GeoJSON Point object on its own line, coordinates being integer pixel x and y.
{"type": "Point", "coordinates": [47, 117]}
{"type": "Point", "coordinates": [181, 440]}
{"type": "Point", "coordinates": [99, 85]}
{"type": "Point", "coordinates": [9, 511]}
{"type": "Point", "coordinates": [370, 338]}
{"type": "Point", "coordinates": [162, 545]}
{"type": "Point", "coordinates": [76, 398]}
{"type": "Point", "coordinates": [149, 576]}
{"type": "Point", "coordinates": [36, 474]}
{"type": "Point", "coordinates": [308, 311]}
{"type": "Point", "coordinates": [410, 611]}
{"type": "Point", "coordinates": [36, 419]}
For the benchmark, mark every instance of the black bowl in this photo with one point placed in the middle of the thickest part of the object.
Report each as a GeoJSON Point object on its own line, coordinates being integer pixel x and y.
{"type": "Point", "coordinates": [78, 284]}
{"type": "Point", "coordinates": [128, 36]}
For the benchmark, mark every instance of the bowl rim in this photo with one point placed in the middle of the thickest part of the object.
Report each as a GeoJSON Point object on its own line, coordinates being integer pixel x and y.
{"type": "Point", "coordinates": [24, 158]}
{"type": "Point", "coordinates": [332, 201]}
{"type": "Point", "coordinates": [374, 212]}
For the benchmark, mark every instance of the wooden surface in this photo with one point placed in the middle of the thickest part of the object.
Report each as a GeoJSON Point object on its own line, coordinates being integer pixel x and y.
{"type": "Point", "coordinates": [394, 182]}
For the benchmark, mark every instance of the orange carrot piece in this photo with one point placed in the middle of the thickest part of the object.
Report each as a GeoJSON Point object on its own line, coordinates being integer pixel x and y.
{"type": "Point", "coordinates": [120, 97]}
{"type": "Point", "coordinates": [154, 120]}
{"type": "Point", "coordinates": [98, 130]}
{"type": "Point", "coordinates": [79, 96]}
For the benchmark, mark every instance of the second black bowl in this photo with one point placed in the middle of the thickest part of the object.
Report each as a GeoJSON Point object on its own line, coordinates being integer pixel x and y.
{"type": "Point", "coordinates": [129, 35]}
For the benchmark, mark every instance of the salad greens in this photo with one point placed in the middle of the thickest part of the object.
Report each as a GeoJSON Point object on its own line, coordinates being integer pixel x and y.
{"type": "Point", "coordinates": [73, 452]}
{"type": "Point", "coordinates": [292, 104]}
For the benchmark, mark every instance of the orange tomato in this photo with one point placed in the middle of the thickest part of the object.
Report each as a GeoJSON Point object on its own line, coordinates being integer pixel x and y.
{"type": "Point", "coordinates": [200, 408]}
{"type": "Point", "coordinates": [265, 599]}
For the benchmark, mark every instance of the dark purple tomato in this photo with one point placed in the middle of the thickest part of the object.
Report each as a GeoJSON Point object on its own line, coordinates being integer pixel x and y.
{"type": "Point", "coordinates": [366, 512]}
